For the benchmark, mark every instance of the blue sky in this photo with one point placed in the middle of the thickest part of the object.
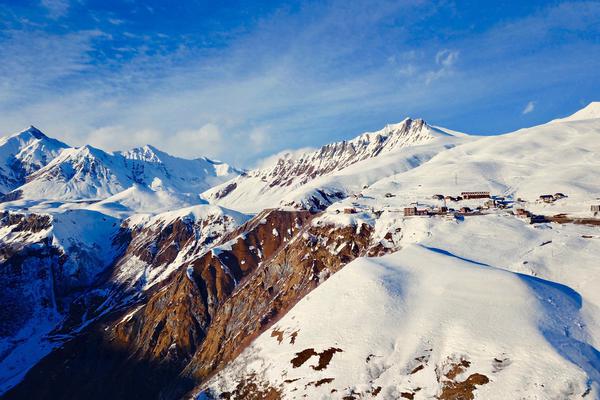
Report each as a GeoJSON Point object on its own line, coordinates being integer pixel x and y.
{"type": "Point", "coordinates": [239, 80]}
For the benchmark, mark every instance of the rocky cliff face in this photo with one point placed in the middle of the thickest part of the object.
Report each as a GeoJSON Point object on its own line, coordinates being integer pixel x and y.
{"type": "Point", "coordinates": [161, 244]}
{"type": "Point", "coordinates": [60, 276]}
{"type": "Point", "coordinates": [205, 313]}
{"type": "Point", "coordinates": [27, 273]}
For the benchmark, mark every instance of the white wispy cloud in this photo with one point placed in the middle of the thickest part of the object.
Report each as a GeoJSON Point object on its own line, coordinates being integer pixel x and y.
{"type": "Point", "coordinates": [529, 107]}
{"type": "Point", "coordinates": [445, 60]}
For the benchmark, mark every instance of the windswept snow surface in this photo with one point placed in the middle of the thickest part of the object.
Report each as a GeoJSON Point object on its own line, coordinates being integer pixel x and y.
{"type": "Point", "coordinates": [485, 290]}
{"type": "Point", "coordinates": [140, 199]}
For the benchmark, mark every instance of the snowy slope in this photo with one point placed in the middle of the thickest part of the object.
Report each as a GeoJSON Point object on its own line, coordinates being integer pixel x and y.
{"type": "Point", "coordinates": [88, 173]}
{"type": "Point", "coordinates": [190, 176]}
{"type": "Point", "coordinates": [436, 316]}
{"type": "Point", "coordinates": [591, 111]}
{"type": "Point", "coordinates": [140, 199]}
{"type": "Point", "coordinates": [24, 153]}
{"type": "Point", "coordinates": [546, 159]}
{"type": "Point", "coordinates": [292, 180]}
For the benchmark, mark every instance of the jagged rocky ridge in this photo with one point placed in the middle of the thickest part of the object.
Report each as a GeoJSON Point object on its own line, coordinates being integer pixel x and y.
{"type": "Point", "coordinates": [269, 186]}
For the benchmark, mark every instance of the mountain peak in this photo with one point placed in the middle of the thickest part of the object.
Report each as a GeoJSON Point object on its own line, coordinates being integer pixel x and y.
{"type": "Point", "coordinates": [35, 132]}
{"type": "Point", "coordinates": [30, 132]}
{"type": "Point", "coordinates": [88, 151]}
{"type": "Point", "coordinates": [145, 153]}
{"type": "Point", "coordinates": [30, 135]}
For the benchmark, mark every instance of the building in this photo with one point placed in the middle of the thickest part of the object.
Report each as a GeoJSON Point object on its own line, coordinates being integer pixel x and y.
{"type": "Point", "coordinates": [559, 196]}
{"type": "Point", "coordinates": [350, 211]}
{"type": "Point", "coordinates": [475, 195]}
{"type": "Point", "coordinates": [547, 198]}
{"type": "Point", "coordinates": [411, 211]}
{"type": "Point", "coordinates": [465, 210]}
{"type": "Point", "coordinates": [438, 197]}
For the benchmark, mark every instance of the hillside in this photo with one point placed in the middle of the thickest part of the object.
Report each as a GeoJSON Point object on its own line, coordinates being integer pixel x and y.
{"type": "Point", "coordinates": [358, 270]}
{"type": "Point", "coordinates": [443, 316]}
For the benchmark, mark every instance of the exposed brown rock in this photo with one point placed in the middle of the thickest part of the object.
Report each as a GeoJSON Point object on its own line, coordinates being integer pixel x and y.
{"type": "Point", "coordinates": [293, 272]}
{"type": "Point", "coordinates": [249, 388]}
{"type": "Point", "coordinates": [293, 337]}
{"type": "Point", "coordinates": [320, 382]}
{"type": "Point", "coordinates": [25, 223]}
{"type": "Point", "coordinates": [417, 369]}
{"type": "Point", "coordinates": [462, 390]}
{"type": "Point", "coordinates": [303, 357]}
{"type": "Point", "coordinates": [457, 368]}
{"type": "Point", "coordinates": [325, 358]}
{"type": "Point", "coordinates": [277, 334]}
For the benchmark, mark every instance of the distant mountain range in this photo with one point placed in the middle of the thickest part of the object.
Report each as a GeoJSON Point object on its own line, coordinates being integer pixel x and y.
{"type": "Point", "coordinates": [352, 271]}
{"type": "Point", "coordinates": [36, 167]}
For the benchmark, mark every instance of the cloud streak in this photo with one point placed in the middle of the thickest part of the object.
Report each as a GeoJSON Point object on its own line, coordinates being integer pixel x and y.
{"type": "Point", "coordinates": [529, 107]}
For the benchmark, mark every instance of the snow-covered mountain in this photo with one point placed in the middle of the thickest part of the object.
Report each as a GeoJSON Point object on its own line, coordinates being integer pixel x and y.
{"type": "Point", "coordinates": [285, 182]}
{"type": "Point", "coordinates": [88, 173]}
{"type": "Point", "coordinates": [24, 153]}
{"type": "Point", "coordinates": [331, 288]}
